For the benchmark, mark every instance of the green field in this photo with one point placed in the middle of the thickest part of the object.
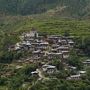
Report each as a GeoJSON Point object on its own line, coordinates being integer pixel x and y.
{"type": "Point", "coordinates": [48, 25]}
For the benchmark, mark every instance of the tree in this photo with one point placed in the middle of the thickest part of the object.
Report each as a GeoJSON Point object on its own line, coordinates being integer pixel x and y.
{"type": "Point", "coordinates": [74, 60]}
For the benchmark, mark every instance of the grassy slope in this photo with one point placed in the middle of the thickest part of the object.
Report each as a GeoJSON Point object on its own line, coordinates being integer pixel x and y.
{"type": "Point", "coordinates": [45, 24]}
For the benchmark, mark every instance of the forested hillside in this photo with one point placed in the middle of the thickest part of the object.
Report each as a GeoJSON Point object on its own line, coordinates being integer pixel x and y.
{"type": "Point", "coordinates": [21, 68]}
{"type": "Point", "coordinates": [17, 75]}
{"type": "Point", "coordinates": [12, 27]}
{"type": "Point", "coordinates": [74, 8]}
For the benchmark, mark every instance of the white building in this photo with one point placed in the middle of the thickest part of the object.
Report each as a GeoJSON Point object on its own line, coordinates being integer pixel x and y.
{"type": "Point", "coordinates": [49, 69]}
{"type": "Point", "coordinates": [74, 77]}
{"type": "Point", "coordinates": [87, 62]}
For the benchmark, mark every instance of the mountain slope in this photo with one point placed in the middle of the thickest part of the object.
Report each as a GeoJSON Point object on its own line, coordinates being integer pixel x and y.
{"type": "Point", "coordinates": [72, 8]}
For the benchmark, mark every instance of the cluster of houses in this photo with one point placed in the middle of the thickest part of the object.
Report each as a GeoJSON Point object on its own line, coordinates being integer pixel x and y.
{"type": "Point", "coordinates": [77, 76]}
{"type": "Point", "coordinates": [86, 63]}
{"type": "Point", "coordinates": [48, 69]}
{"type": "Point", "coordinates": [48, 47]}
{"type": "Point", "coordinates": [44, 47]}
{"type": "Point", "coordinates": [80, 74]}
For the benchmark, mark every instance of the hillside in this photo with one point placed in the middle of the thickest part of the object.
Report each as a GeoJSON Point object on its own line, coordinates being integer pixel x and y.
{"type": "Point", "coordinates": [67, 8]}
{"type": "Point", "coordinates": [50, 25]}
{"type": "Point", "coordinates": [24, 56]}
{"type": "Point", "coordinates": [16, 74]}
{"type": "Point", "coordinates": [12, 27]}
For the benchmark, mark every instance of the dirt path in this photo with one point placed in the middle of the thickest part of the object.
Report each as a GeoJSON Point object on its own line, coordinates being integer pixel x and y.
{"type": "Point", "coordinates": [40, 74]}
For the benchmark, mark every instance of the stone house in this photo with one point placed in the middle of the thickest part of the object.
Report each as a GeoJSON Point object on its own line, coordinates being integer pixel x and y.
{"type": "Point", "coordinates": [34, 73]}
{"type": "Point", "coordinates": [17, 47]}
{"type": "Point", "coordinates": [86, 63]}
{"type": "Point", "coordinates": [55, 55]}
{"type": "Point", "coordinates": [74, 77]}
{"type": "Point", "coordinates": [49, 69]}
{"type": "Point", "coordinates": [71, 43]}
{"type": "Point", "coordinates": [38, 54]}
{"type": "Point", "coordinates": [32, 34]}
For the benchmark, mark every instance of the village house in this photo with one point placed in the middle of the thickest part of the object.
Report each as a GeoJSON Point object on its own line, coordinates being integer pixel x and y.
{"type": "Point", "coordinates": [82, 73]}
{"type": "Point", "coordinates": [26, 45]}
{"type": "Point", "coordinates": [52, 56]}
{"type": "Point", "coordinates": [29, 35]}
{"type": "Point", "coordinates": [54, 38]}
{"type": "Point", "coordinates": [17, 46]}
{"type": "Point", "coordinates": [63, 42]}
{"type": "Point", "coordinates": [74, 77]}
{"type": "Point", "coordinates": [38, 54]}
{"type": "Point", "coordinates": [71, 43]}
{"type": "Point", "coordinates": [54, 51]}
{"type": "Point", "coordinates": [41, 47]}
{"type": "Point", "coordinates": [78, 76]}
{"type": "Point", "coordinates": [33, 33]}
{"type": "Point", "coordinates": [54, 46]}
{"type": "Point", "coordinates": [49, 69]}
{"type": "Point", "coordinates": [86, 63]}
{"type": "Point", "coordinates": [65, 54]}
{"type": "Point", "coordinates": [63, 48]}
{"type": "Point", "coordinates": [34, 73]}
{"type": "Point", "coordinates": [38, 40]}
{"type": "Point", "coordinates": [72, 69]}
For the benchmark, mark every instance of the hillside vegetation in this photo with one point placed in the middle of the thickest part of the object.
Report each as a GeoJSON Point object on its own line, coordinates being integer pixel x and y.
{"type": "Point", "coordinates": [12, 27]}
{"type": "Point", "coordinates": [67, 8]}
{"type": "Point", "coordinates": [50, 25]}
{"type": "Point", "coordinates": [18, 16]}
